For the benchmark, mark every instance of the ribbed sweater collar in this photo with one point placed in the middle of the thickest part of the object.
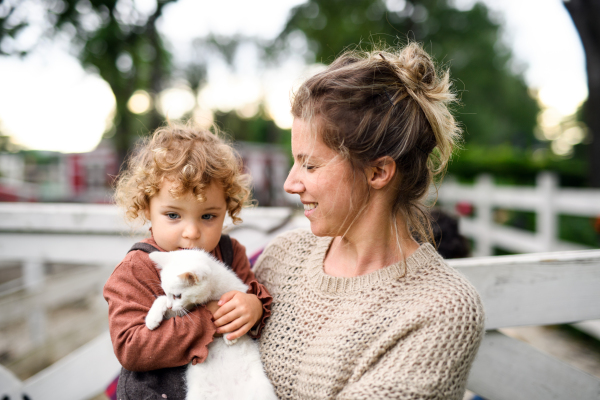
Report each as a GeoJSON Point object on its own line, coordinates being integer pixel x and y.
{"type": "Point", "coordinates": [331, 284]}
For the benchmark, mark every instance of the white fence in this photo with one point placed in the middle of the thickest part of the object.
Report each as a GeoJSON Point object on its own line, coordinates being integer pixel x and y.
{"type": "Point", "coordinates": [547, 200]}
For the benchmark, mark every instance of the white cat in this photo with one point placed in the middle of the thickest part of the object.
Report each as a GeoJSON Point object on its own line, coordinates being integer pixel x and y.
{"type": "Point", "coordinates": [231, 371]}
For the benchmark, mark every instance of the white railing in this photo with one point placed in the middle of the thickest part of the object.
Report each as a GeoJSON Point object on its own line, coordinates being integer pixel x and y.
{"type": "Point", "coordinates": [546, 199]}
{"type": "Point", "coordinates": [532, 289]}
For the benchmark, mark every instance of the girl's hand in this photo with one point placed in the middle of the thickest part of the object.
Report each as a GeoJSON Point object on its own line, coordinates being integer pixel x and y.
{"type": "Point", "coordinates": [237, 314]}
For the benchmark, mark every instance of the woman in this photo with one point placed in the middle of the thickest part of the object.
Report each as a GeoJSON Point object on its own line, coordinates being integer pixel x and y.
{"type": "Point", "coordinates": [360, 309]}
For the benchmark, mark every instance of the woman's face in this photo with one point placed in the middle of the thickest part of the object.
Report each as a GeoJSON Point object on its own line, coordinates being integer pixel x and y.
{"type": "Point", "coordinates": [325, 182]}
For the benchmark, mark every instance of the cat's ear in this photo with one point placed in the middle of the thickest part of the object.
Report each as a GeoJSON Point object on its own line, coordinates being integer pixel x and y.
{"type": "Point", "coordinates": [189, 278]}
{"type": "Point", "coordinates": [159, 258]}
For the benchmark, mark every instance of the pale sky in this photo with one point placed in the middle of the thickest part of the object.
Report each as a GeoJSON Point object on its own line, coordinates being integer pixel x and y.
{"type": "Point", "coordinates": [48, 102]}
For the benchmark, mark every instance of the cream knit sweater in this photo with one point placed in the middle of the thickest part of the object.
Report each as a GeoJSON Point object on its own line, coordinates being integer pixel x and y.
{"type": "Point", "coordinates": [408, 331]}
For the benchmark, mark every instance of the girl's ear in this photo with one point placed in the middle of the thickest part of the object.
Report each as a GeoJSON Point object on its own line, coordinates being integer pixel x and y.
{"type": "Point", "coordinates": [159, 258]}
{"type": "Point", "coordinates": [381, 172]}
{"type": "Point", "coordinates": [147, 214]}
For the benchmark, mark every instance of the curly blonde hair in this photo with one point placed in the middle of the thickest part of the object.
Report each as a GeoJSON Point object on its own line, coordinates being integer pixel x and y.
{"type": "Point", "coordinates": [192, 158]}
{"type": "Point", "coordinates": [394, 102]}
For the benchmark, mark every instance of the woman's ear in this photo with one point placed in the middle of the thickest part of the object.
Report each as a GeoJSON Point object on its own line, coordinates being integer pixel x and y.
{"type": "Point", "coordinates": [381, 172]}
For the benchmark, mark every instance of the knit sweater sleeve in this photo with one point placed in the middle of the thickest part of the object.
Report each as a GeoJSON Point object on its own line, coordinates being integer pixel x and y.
{"type": "Point", "coordinates": [426, 358]}
{"type": "Point", "coordinates": [130, 292]}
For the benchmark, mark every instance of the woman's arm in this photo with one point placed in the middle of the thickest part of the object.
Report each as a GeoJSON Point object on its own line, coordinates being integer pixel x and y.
{"type": "Point", "coordinates": [430, 362]}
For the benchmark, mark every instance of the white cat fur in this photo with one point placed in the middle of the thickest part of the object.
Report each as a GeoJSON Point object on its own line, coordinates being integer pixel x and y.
{"type": "Point", "coordinates": [229, 371]}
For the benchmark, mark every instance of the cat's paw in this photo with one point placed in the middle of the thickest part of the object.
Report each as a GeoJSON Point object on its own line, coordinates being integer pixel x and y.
{"type": "Point", "coordinates": [229, 342]}
{"type": "Point", "coordinates": [156, 313]}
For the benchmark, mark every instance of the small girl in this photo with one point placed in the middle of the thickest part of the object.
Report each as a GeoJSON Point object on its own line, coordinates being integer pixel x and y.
{"type": "Point", "coordinates": [184, 181]}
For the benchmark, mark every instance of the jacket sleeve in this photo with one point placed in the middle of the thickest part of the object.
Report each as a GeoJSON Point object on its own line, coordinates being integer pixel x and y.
{"type": "Point", "coordinates": [130, 292]}
{"type": "Point", "coordinates": [241, 266]}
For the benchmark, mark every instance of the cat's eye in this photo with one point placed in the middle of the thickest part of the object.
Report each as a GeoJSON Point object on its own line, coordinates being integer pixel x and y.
{"type": "Point", "coordinates": [177, 296]}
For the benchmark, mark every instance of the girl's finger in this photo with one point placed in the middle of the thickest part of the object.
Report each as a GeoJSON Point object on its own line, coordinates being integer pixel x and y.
{"type": "Point", "coordinates": [232, 326]}
{"type": "Point", "coordinates": [227, 296]}
{"type": "Point", "coordinates": [229, 317]}
{"type": "Point", "coordinates": [239, 333]}
{"type": "Point", "coordinates": [224, 310]}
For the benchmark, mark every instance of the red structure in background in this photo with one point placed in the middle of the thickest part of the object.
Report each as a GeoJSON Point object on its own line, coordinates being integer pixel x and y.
{"type": "Point", "coordinates": [76, 171]}
{"type": "Point", "coordinates": [76, 177]}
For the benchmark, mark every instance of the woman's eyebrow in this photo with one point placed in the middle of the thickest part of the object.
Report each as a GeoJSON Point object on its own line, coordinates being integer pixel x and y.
{"type": "Point", "coordinates": [301, 157]}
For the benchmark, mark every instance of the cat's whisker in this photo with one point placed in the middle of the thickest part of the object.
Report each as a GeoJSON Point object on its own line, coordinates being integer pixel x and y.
{"type": "Point", "coordinates": [189, 318]}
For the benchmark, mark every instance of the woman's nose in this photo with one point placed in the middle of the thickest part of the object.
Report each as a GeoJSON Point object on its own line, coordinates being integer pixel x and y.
{"type": "Point", "coordinates": [293, 184]}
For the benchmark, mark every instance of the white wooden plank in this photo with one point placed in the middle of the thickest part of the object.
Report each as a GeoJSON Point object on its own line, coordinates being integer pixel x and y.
{"type": "Point", "coordinates": [535, 289]}
{"type": "Point", "coordinates": [56, 217]}
{"type": "Point", "coordinates": [65, 248]}
{"type": "Point", "coordinates": [81, 375]}
{"type": "Point", "coordinates": [513, 239]}
{"type": "Point", "coordinates": [52, 293]}
{"type": "Point", "coordinates": [583, 202]}
{"type": "Point", "coordinates": [507, 369]}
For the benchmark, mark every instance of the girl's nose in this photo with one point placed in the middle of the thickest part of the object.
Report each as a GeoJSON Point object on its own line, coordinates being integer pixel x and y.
{"type": "Point", "coordinates": [293, 184]}
{"type": "Point", "coordinates": [191, 232]}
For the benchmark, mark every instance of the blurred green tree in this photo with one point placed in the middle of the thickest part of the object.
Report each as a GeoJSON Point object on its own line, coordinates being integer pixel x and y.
{"type": "Point", "coordinates": [113, 38]}
{"type": "Point", "coordinates": [585, 15]}
{"type": "Point", "coordinates": [496, 106]}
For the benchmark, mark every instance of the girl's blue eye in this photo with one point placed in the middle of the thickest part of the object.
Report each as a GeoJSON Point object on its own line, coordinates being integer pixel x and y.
{"type": "Point", "coordinates": [172, 215]}
{"type": "Point", "coordinates": [208, 216]}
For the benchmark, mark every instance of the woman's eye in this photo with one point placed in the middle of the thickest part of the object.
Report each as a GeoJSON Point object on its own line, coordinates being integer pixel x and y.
{"type": "Point", "coordinates": [177, 296]}
{"type": "Point", "coordinates": [309, 167]}
{"type": "Point", "coordinates": [172, 215]}
{"type": "Point", "coordinates": [208, 216]}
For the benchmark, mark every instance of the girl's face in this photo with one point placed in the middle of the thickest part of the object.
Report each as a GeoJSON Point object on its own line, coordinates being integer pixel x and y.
{"type": "Point", "coordinates": [185, 223]}
{"type": "Point", "coordinates": [325, 182]}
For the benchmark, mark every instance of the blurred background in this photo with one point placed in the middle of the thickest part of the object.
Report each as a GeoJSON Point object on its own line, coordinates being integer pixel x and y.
{"type": "Point", "coordinates": [82, 80]}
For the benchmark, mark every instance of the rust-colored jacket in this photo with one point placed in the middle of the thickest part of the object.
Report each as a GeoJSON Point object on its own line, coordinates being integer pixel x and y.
{"type": "Point", "coordinates": [130, 292]}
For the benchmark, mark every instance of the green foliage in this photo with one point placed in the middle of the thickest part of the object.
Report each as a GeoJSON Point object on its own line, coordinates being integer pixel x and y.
{"type": "Point", "coordinates": [259, 128]}
{"type": "Point", "coordinates": [124, 48]}
{"type": "Point", "coordinates": [496, 107]}
{"type": "Point", "coordinates": [515, 166]}
{"type": "Point", "coordinates": [578, 230]}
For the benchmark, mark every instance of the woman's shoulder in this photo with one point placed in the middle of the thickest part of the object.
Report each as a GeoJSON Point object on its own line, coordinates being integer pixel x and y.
{"type": "Point", "coordinates": [445, 286]}
{"type": "Point", "coordinates": [289, 248]}
{"type": "Point", "coordinates": [296, 240]}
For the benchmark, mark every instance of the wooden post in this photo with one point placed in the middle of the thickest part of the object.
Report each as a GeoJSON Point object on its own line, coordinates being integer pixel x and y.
{"type": "Point", "coordinates": [33, 279]}
{"type": "Point", "coordinates": [547, 218]}
{"type": "Point", "coordinates": [483, 241]}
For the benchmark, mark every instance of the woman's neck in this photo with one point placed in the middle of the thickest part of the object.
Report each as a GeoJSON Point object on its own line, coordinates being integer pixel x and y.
{"type": "Point", "coordinates": [368, 247]}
